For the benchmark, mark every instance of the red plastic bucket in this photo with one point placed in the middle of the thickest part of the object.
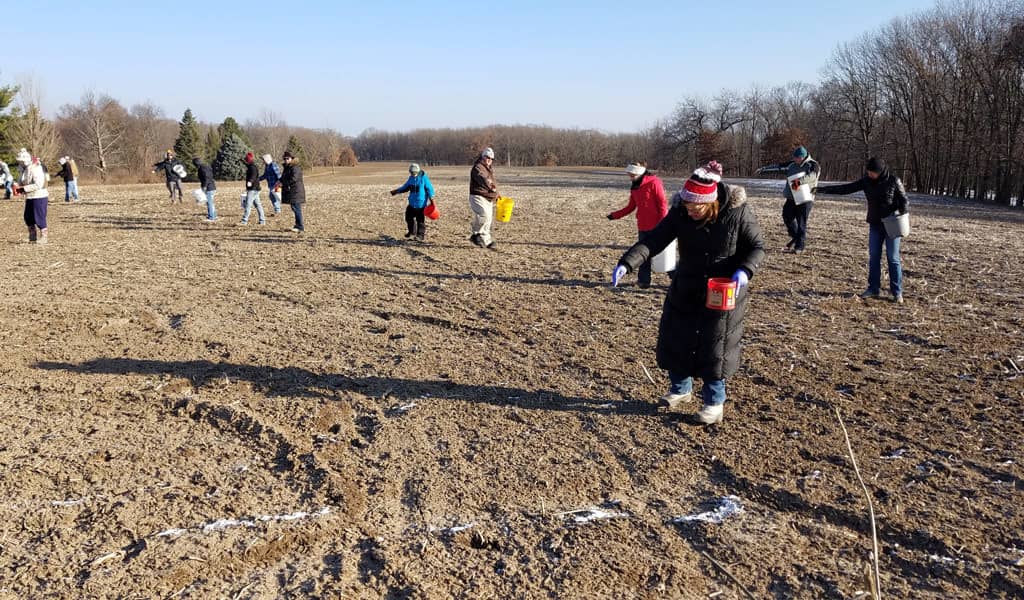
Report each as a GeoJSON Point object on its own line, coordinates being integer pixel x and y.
{"type": "Point", "coordinates": [430, 211]}
{"type": "Point", "coordinates": [721, 294]}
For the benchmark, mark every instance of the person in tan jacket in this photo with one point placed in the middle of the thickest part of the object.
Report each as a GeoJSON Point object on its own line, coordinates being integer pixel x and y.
{"type": "Point", "coordinates": [32, 183]}
{"type": "Point", "coordinates": [483, 192]}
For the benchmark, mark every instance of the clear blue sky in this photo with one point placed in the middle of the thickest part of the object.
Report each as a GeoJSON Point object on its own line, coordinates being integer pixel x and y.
{"type": "Point", "coordinates": [615, 66]}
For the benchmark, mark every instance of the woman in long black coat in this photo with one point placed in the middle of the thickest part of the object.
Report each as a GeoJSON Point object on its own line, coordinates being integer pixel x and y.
{"type": "Point", "coordinates": [718, 236]}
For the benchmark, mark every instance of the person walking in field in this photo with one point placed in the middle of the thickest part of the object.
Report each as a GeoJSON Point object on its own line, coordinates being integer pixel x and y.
{"type": "Point", "coordinates": [6, 179]}
{"type": "Point", "coordinates": [421, 193]}
{"type": "Point", "coordinates": [252, 191]}
{"type": "Point", "coordinates": [794, 215]}
{"type": "Point", "coordinates": [272, 175]}
{"type": "Point", "coordinates": [70, 182]}
{"type": "Point", "coordinates": [293, 190]}
{"type": "Point", "coordinates": [173, 172]}
{"type": "Point", "coordinates": [718, 236]}
{"type": "Point", "coordinates": [647, 198]}
{"type": "Point", "coordinates": [483, 192]}
{"type": "Point", "coordinates": [885, 196]}
{"type": "Point", "coordinates": [32, 184]}
{"type": "Point", "coordinates": [208, 186]}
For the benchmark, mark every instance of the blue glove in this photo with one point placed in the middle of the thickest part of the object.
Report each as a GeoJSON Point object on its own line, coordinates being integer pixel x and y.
{"type": "Point", "coordinates": [617, 275]}
{"type": "Point", "coordinates": [741, 278]}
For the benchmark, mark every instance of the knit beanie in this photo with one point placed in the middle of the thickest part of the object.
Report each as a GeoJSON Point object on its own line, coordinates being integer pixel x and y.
{"type": "Point", "coordinates": [487, 153]}
{"type": "Point", "coordinates": [635, 169]}
{"type": "Point", "coordinates": [800, 152]}
{"type": "Point", "coordinates": [702, 186]}
{"type": "Point", "coordinates": [268, 158]}
{"type": "Point", "coordinates": [875, 165]}
{"type": "Point", "coordinates": [23, 157]}
{"type": "Point", "coordinates": [62, 160]}
{"type": "Point", "coordinates": [414, 168]}
{"type": "Point", "coordinates": [248, 157]}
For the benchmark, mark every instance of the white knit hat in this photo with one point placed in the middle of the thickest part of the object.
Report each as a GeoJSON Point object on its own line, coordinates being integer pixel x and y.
{"type": "Point", "coordinates": [635, 169]}
{"type": "Point", "coordinates": [268, 158]}
{"type": "Point", "coordinates": [62, 160]}
{"type": "Point", "coordinates": [487, 153]}
{"type": "Point", "coordinates": [23, 157]}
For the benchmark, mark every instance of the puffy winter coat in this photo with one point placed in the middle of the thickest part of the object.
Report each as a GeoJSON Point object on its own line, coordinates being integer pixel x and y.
{"type": "Point", "coordinates": [33, 181]}
{"type": "Point", "coordinates": [647, 198]}
{"type": "Point", "coordinates": [482, 182]}
{"type": "Point", "coordinates": [694, 340]}
{"type": "Point", "coordinates": [272, 174]}
{"type": "Point", "coordinates": [167, 165]}
{"type": "Point", "coordinates": [206, 181]}
{"type": "Point", "coordinates": [810, 167]}
{"type": "Point", "coordinates": [420, 190]}
{"type": "Point", "coordinates": [252, 178]}
{"type": "Point", "coordinates": [885, 195]}
{"type": "Point", "coordinates": [293, 189]}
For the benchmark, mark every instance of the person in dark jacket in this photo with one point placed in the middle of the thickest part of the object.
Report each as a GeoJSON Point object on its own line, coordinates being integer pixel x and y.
{"type": "Point", "coordinates": [293, 190]}
{"type": "Point", "coordinates": [70, 184]}
{"type": "Point", "coordinates": [252, 191]}
{"type": "Point", "coordinates": [272, 175]}
{"type": "Point", "coordinates": [421, 193]}
{"type": "Point", "coordinates": [483, 192]}
{"type": "Point", "coordinates": [172, 172]}
{"type": "Point", "coordinates": [647, 198]}
{"type": "Point", "coordinates": [885, 196]}
{"type": "Point", "coordinates": [208, 186]}
{"type": "Point", "coordinates": [718, 236]}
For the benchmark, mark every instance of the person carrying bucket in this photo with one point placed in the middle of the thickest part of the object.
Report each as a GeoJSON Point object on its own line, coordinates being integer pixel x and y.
{"type": "Point", "coordinates": [483, 192]}
{"type": "Point", "coordinates": [801, 171]}
{"type": "Point", "coordinates": [886, 196]}
{"type": "Point", "coordinates": [719, 238]}
{"type": "Point", "coordinates": [172, 173]}
{"type": "Point", "coordinates": [647, 198]}
{"type": "Point", "coordinates": [252, 191]}
{"type": "Point", "coordinates": [421, 193]}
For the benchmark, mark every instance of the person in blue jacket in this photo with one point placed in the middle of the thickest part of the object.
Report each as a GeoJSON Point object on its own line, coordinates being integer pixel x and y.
{"type": "Point", "coordinates": [272, 175]}
{"type": "Point", "coordinates": [421, 193]}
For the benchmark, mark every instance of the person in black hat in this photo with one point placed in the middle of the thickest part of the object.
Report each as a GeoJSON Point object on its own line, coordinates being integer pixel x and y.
{"type": "Point", "coordinates": [293, 190]}
{"type": "Point", "coordinates": [886, 196]}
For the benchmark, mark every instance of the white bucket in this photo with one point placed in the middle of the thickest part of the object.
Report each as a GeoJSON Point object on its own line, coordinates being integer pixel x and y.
{"type": "Point", "coordinates": [666, 261]}
{"type": "Point", "coordinates": [199, 196]}
{"type": "Point", "coordinates": [897, 226]}
{"type": "Point", "coordinates": [801, 191]}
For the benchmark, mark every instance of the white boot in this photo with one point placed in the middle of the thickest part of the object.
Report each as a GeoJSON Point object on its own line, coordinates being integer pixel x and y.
{"type": "Point", "coordinates": [710, 414]}
{"type": "Point", "coordinates": [674, 402]}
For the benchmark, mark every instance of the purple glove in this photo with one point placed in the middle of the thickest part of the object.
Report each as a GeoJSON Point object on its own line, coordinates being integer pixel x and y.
{"type": "Point", "coordinates": [617, 275]}
{"type": "Point", "coordinates": [741, 278]}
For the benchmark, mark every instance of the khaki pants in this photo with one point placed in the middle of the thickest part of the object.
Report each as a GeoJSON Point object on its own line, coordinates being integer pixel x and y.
{"type": "Point", "coordinates": [483, 216]}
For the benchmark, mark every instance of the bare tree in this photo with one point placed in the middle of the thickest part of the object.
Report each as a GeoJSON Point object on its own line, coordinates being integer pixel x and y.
{"type": "Point", "coordinates": [98, 123]}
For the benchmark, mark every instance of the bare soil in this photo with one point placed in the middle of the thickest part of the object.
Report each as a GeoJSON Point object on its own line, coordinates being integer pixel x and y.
{"type": "Point", "coordinates": [209, 410]}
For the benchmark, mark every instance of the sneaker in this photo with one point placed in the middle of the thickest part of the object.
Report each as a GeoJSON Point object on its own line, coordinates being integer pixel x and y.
{"type": "Point", "coordinates": [869, 293]}
{"type": "Point", "coordinates": [243, 222]}
{"type": "Point", "coordinates": [674, 402]}
{"type": "Point", "coordinates": [798, 251]}
{"type": "Point", "coordinates": [492, 246]}
{"type": "Point", "coordinates": [421, 238]}
{"type": "Point", "coordinates": [790, 243]}
{"type": "Point", "coordinates": [710, 414]}
{"type": "Point", "coordinates": [475, 238]}
{"type": "Point", "coordinates": [42, 239]}
{"type": "Point", "coordinates": [295, 230]}
{"type": "Point", "coordinates": [898, 298]}
{"type": "Point", "coordinates": [408, 234]}
{"type": "Point", "coordinates": [210, 220]}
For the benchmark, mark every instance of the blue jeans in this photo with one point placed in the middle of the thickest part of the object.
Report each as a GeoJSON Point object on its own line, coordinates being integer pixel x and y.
{"type": "Point", "coordinates": [253, 197]}
{"type": "Point", "coordinates": [211, 209]}
{"type": "Point", "coordinates": [71, 190]}
{"type": "Point", "coordinates": [300, 223]}
{"type": "Point", "coordinates": [275, 200]}
{"type": "Point", "coordinates": [8, 189]}
{"type": "Point", "coordinates": [713, 391]}
{"type": "Point", "coordinates": [876, 238]}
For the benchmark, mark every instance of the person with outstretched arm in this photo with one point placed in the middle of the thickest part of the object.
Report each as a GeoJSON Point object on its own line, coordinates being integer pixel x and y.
{"type": "Point", "coordinates": [718, 236]}
{"type": "Point", "coordinates": [795, 216]}
{"type": "Point", "coordinates": [421, 193]}
{"type": "Point", "coordinates": [885, 196]}
{"type": "Point", "coordinates": [172, 173]}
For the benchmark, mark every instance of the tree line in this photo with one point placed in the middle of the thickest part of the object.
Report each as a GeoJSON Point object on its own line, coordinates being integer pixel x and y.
{"type": "Point", "coordinates": [939, 94]}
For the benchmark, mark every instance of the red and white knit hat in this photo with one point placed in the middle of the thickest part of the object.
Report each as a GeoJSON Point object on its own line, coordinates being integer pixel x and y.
{"type": "Point", "coordinates": [702, 186]}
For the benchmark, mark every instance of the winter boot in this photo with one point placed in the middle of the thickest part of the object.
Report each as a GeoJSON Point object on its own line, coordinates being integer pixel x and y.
{"type": "Point", "coordinates": [710, 414]}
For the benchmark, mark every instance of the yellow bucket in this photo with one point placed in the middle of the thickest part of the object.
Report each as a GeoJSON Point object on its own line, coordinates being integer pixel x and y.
{"type": "Point", "coordinates": [503, 212]}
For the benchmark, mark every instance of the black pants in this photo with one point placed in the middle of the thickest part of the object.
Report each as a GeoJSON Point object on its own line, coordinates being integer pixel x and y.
{"type": "Point", "coordinates": [643, 274]}
{"type": "Point", "coordinates": [795, 217]}
{"type": "Point", "coordinates": [414, 221]}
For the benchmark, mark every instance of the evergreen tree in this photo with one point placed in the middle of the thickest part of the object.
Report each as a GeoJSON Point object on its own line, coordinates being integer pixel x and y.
{"type": "Point", "coordinates": [231, 126]}
{"type": "Point", "coordinates": [295, 147]}
{"type": "Point", "coordinates": [228, 164]}
{"type": "Point", "coordinates": [189, 143]}
{"type": "Point", "coordinates": [7, 118]}
{"type": "Point", "coordinates": [213, 142]}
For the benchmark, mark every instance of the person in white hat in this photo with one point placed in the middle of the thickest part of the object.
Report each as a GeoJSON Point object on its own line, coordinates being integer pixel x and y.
{"type": "Point", "coordinates": [483, 192]}
{"type": "Point", "coordinates": [33, 184]}
{"type": "Point", "coordinates": [70, 183]}
{"type": "Point", "coordinates": [272, 175]}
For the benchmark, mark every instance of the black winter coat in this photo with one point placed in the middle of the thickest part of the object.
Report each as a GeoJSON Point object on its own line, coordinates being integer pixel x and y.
{"type": "Point", "coordinates": [885, 195]}
{"type": "Point", "coordinates": [252, 178]}
{"type": "Point", "coordinates": [66, 173]}
{"type": "Point", "coordinates": [293, 189]}
{"type": "Point", "coordinates": [167, 165]}
{"type": "Point", "coordinates": [694, 340]}
{"type": "Point", "coordinates": [206, 181]}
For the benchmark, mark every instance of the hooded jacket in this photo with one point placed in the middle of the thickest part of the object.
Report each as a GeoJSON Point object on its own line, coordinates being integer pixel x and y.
{"type": "Point", "coordinates": [810, 167]}
{"type": "Point", "coordinates": [206, 181]}
{"type": "Point", "coordinates": [272, 175]}
{"type": "Point", "coordinates": [482, 182]}
{"type": "Point", "coordinates": [885, 195]}
{"type": "Point", "coordinates": [421, 191]}
{"type": "Point", "coordinates": [66, 173]}
{"type": "Point", "coordinates": [647, 198]}
{"type": "Point", "coordinates": [694, 340]}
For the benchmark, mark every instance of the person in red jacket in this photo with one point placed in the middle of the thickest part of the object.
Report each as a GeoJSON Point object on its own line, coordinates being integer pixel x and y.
{"type": "Point", "coordinates": [647, 198]}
